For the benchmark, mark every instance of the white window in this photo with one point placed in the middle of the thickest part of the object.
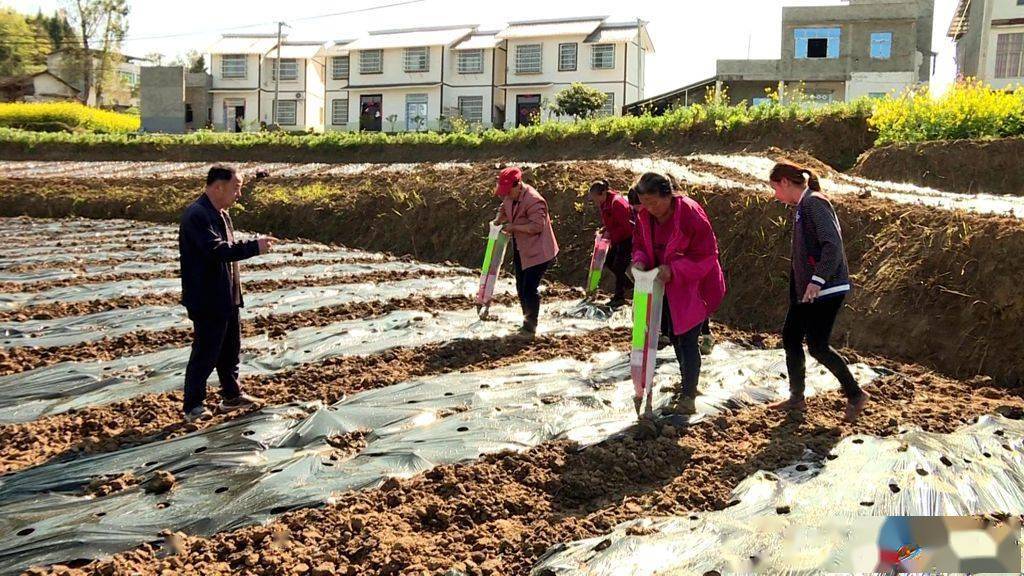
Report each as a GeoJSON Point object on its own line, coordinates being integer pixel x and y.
{"type": "Point", "coordinates": [609, 105]}
{"type": "Point", "coordinates": [339, 112]}
{"type": "Point", "coordinates": [471, 62]}
{"type": "Point", "coordinates": [602, 56]}
{"type": "Point", "coordinates": [1010, 55]}
{"type": "Point", "coordinates": [371, 62]}
{"type": "Point", "coordinates": [289, 69]}
{"type": "Point", "coordinates": [528, 59]}
{"type": "Point", "coordinates": [233, 65]}
{"type": "Point", "coordinates": [285, 112]}
{"type": "Point", "coordinates": [339, 68]}
{"type": "Point", "coordinates": [471, 108]}
{"type": "Point", "coordinates": [567, 57]}
{"type": "Point", "coordinates": [417, 59]}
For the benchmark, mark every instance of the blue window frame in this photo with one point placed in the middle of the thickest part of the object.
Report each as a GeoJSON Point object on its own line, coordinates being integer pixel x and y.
{"type": "Point", "coordinates": [881, 45]}
{"type": "Point", "coordinates": [817, 42]}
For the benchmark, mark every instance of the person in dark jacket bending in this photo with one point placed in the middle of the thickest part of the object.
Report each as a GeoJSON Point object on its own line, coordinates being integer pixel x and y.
{"type": "Point", "coordinates": [211, 291]}
{"type": "Point", "coordinates": [818, 283]}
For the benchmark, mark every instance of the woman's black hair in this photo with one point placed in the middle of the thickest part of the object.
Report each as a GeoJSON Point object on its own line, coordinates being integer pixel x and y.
{"type": "Point", "coordinates": [654, 183]}
{"type": "Point", "coordinates": [599, 186]}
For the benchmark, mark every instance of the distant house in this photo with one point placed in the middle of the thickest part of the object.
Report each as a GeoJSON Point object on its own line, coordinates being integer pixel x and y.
{"type": "Point", "coordinates": [120, 94]}
{"type": "Point", "coordinates": [989, 36]}
{"type": "Point", "coordinates": [244, 80]}
{"type": "Point", "coordinates": [62, 81]}
{"type": "Point", "coordinates": [832, 53]}
{"type": "Point", "coordinates": [401, 80]}
{"type": "Point", "coordinates": [40, 87]}
{"type": "Point", "coordinates": [546, 56]}
{"type": "Point", "coordinates": [420, 78]}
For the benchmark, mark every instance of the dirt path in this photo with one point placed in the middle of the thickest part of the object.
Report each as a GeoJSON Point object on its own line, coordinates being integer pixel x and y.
{"type": "Point", "coordinates": [497, 515]}
{"type": "Point", "coordinates": [52, 310]}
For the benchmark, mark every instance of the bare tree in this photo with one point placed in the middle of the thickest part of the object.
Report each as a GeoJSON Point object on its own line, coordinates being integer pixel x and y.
{"type": "Point", "coordinates": [101, 25]}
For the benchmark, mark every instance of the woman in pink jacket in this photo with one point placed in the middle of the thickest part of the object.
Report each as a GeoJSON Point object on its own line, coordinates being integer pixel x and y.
{"type": "Point", "coordinates": [525, 214]}
{"type": "Point", "coordinates": [673, 234]}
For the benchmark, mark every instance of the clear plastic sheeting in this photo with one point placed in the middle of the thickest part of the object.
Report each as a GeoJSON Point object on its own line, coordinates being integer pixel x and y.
{"type": "Point", "coordinates": [67, 331]}
{"type": "Point", "coordinates": [248, 470]}
{"type": "Point", "coordinates": [54, 389]}
{"type": "Point", "coordinates": [134, 288]}
{"type": "Point", "coordinates": [975, 470]}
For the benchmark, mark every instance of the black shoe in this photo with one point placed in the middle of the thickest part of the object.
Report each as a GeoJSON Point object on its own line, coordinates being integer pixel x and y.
{"type": "Point", "coordinates": [240, 401]}
{"type": "Point", "coordinates": [616, 302]}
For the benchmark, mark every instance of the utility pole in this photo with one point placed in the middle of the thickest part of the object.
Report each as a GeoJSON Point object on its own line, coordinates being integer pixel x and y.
{"type": "Point", "coordinates": [277, 76]}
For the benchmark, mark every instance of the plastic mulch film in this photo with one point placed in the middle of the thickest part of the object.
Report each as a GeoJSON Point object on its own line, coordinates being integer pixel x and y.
{"type": "Point", "coordinates": [597, 259]}
{"type": "Point", "coordinates": [494, 254]}
{"type": "Point", "coordinates": [118, 288]}
{"type": "Point", "coordinates": [802, 519]}
{"type": "Point", "coordinates": [648, 294]}
{"type": "Point", "coordinates": [248, 470]}
{"type": "Point", "coordinates": [71, 330]}
{"type": "Point", "coordinates": [54, 389]}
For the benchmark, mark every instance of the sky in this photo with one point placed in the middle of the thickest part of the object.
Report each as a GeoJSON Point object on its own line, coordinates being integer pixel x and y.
{"type": "Point", "coordinates": [688, 35]}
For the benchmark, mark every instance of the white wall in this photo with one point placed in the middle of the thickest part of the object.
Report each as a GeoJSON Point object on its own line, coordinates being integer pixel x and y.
{"type": "Point", "coordinates": [48, 88]}
{"type": "Point", "coordinates": [393, 102]}
{"type": "Point", "coordinates": [451, 99]}
{"type": "Point", "coordinates": [866, 83]}
{"type": "Point", "coordinates": [250, 98]}
{"type": "Point", "coordinates": [316, 114]}
{"type": "Point", "coordinates": [394, 69]}
{"type": "Point", "coordinates": [1003, 9]}
{"type": "Point", "coordinates": [549, 67]}
{"type": "Point", "coordinates": [251, 79]}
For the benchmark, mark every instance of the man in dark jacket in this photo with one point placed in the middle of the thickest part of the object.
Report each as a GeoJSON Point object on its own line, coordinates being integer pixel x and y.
{"type": "Point", "coordinates": [211, 291]}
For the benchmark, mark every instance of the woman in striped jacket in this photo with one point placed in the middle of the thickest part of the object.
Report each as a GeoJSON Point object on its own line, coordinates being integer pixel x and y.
{"type": "Point", "coordinates": [819, 281]}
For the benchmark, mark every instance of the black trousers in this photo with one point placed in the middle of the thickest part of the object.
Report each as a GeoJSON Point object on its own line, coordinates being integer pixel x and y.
{"type": "Point", "coordinates": [619, 258]}
{"type": "Point", "coordinates": [216, 345]}
{"type": "Point", "coordinates": [687, 348]}
{"type": "Point", "coordinates": [814, 321]}
{"type": "Point", "coordinates": [527, 285]}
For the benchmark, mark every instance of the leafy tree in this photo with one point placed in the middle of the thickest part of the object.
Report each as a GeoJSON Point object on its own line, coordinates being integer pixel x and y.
{"type": "Point", "coordinates": [23, 48]}
{"type": "Point", "coordinates": [192, 61]}
{"type": "Point", "coordinates": [579, 101]}
{"type": "Point", "coordinates": [101, 25]}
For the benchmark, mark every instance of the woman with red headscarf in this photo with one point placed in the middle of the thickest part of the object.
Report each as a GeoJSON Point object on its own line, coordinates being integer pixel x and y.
{"type": "Point", "coordinates": [525, 215]}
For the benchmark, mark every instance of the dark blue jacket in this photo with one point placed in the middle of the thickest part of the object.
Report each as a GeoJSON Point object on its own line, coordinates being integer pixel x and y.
{"type": "Point", "coordinates": [206, 258]}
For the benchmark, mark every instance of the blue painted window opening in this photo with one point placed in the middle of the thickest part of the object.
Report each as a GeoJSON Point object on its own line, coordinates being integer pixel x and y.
{"type": "Point", "coordinates": [817, 42]}
{"type": "Point", "coordinates": [881, 45]}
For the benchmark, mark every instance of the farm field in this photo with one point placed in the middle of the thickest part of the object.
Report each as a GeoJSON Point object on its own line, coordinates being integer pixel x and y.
{"type": "Point", "coordinates": [400, 434]}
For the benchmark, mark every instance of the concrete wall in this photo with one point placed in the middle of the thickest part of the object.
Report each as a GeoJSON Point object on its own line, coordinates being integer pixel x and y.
{"type": "Point", "coordinates": [162, 103]}
{"type": "Point", "coordinates": [197, 94]}
{"type": "Point", "coordinates": [968, 47]}
{"type": "Point", "coordinates": [874, 83]}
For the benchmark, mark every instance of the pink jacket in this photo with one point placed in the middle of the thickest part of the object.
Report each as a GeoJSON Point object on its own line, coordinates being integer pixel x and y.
{"type": "Point", "coordinates": [537, 245]}
{"type": "Point", "coordinates": [698, 285]}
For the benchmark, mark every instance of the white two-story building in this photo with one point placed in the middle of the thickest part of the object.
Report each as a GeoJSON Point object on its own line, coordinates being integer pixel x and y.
{"type": "Point", "coordinates": [244, 81]}
{"type": "Point", "coordinates": [397, 79]}
{"type": "Point", "coordinates": [989, 37]}
{"type": "Point", "coordinates": [424, 78]}
{"type": "Point", "coordinates": [547, 56]}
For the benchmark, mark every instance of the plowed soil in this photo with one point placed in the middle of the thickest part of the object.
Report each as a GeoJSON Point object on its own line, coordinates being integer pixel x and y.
{"type": "Point", "coordinates": [498, 515]}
